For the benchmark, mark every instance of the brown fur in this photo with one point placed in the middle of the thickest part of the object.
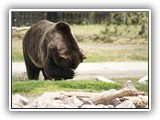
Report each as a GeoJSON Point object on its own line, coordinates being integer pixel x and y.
{"type": "Point", "coordinates": [52, 48]}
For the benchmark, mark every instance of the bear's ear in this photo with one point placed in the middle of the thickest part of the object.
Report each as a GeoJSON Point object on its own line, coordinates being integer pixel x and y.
{"type": "Point", "coordinates": [63, 27]}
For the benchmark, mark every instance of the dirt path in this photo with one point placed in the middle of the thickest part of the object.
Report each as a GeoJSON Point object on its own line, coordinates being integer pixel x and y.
{"type": "Point", "coordinates": [106, 69]}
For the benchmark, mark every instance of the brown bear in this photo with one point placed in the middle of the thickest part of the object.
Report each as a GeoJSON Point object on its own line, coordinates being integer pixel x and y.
{"type": "Point", "coordinates": [52, 48]}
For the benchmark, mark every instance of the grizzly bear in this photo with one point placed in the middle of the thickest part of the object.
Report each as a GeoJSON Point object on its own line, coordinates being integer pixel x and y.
{"type": "Point", "coordinates": [52, 48]}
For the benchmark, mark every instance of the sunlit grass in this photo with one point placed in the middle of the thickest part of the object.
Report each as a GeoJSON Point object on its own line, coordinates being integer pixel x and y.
{"type": "Point", "coordinates": [38, 87]}
{"type": "Point", "coordinates": [98, 54]}
{"type": "Point", "coordinates": [33, 87]}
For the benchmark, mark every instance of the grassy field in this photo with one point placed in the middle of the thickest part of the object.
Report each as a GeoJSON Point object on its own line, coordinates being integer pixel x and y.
{"type": "Point", "coordinates": [111, 34]}
{"type": "Point", "coordinates": [114, 53]}
{"type": "Point", "coordinates": [96, 50]}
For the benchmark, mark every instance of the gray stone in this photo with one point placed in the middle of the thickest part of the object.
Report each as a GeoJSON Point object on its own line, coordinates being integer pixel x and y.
{"type": "Point", "coordinates": [143, 80]}
{"type": "Point", "coordinates": [41, 102]}
{"type": "Point", "coordinates": [51, 95]}
{"type": "Point", "coordinates": [63, 97]}
{"type": "Point", "coordinates": [87, 101]}
{"type": "Point", "coordinates": [74, 102]}
{"type": "Point", "coordinates": [126, 104]}
{"type": "Point", "coordinates": [129, 85]}
{"type": "Point", "coordinates": [88, 106]}
{"type": "Point", "coordinates": [104, 106]}
{"type": "Point", "coordinates": [46, 100]}
{"type": "Point", "coordinates": [18, 101]}
{"type": "Point", "coordinates": [54, 105]}
{"type": "Point", "coordinates": [109, 106]}
{"type": "Point", "coordinates": [104, 79]}
{"type": "Point", "coordinates": [115, 102]}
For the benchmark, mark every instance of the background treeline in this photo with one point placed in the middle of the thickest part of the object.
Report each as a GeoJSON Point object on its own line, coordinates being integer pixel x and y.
{"type": "Point", "coordinates": [119, 18]}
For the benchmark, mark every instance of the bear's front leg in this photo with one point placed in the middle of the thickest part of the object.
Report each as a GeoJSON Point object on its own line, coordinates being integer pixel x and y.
{"type": "Point", "coordinates": [58, 73]}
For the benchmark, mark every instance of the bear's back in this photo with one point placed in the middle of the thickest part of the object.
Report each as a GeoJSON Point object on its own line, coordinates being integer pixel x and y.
{"type": "Point", "coordinates": [33, 40]}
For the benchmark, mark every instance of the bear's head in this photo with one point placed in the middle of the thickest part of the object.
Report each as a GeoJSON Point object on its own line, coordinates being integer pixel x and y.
{"type": "Point", "coordinates": [66, 53]}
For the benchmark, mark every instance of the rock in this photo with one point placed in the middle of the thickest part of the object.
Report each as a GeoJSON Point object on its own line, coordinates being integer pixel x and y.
{"type": "Point", "coordinates": [45, 99]}
{"type": "Point", "coordinates": [63, 97]}
{"type": "Point", "coordinates": [52, 95]}
{"type": "Point", "coordinates": [88, 106]}
{"type": "Point", "coordinates": [24, 100]}
{"type": "Point", "coordinates": [87, 101]}
{"type": "Point", "coordinates": [17, 106]}
{"type": "Point", "coordinates": [104, 106]}
{"type": "Point", "coordinates": [104, 79]}
{"type": "Point", "coordinates": [123, 98]}
{"type": "Point", "coordinates": [18, 101]}
{"type": "Point", "coordinates": [100, 106]}
{"type": "Point", "coordinates": [126, 104]}
{"type": "Point", "coordinates": [96, 106]}
{"type": "Point", "coordinates": [143, 80]}
{"type": "Point", "coordinates": [139, 101]}
{"type": "Point", "coordinates": [41, 102]}
{"type": "Point", "coordinates": [55, 105]}
{"type": "Point", "coordinates": [74, 102]}
{"type": "Point", "coordinates": [129, 85]}
{"type": "Point", "coordinates": [109, 106]}
{"type": "Point", "coordinates": [115, 101]}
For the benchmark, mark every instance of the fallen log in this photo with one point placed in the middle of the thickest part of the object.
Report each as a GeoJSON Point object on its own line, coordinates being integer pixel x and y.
{"type": "Point", "coordinates": [107, 98]}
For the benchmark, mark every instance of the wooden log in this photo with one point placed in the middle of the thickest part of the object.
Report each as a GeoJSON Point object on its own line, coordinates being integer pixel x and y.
{"type": "Point", "coordinates": [107, 98]}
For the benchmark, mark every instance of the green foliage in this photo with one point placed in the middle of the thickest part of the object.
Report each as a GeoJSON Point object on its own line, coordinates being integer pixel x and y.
{"type": "Point", "coordinates": [131, 20]}
{"type": "Point", "coordinates": [127, 18]}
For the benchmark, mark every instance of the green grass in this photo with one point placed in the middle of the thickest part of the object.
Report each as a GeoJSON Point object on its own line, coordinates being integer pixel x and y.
{"type": "Point", "coordinates": [84, 33]}
{"type": "Point", "coordinates": [17, 54]}
{"type": "Point", "coordinates": [115, 53]}
{"type": "Point", "coordinates": [142, 87]}
{"type": "Point", "coordinates": [34, 88]}
{"type": "Point", "coordinates": [38, 87]}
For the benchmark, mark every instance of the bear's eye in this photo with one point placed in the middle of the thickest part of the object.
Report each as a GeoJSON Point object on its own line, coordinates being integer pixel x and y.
{"type": "Point", "coordinates": [63, 56]}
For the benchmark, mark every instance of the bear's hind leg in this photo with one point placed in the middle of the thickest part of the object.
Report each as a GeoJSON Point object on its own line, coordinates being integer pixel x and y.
{"type": "Point", "coordinates": [32, 70]}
